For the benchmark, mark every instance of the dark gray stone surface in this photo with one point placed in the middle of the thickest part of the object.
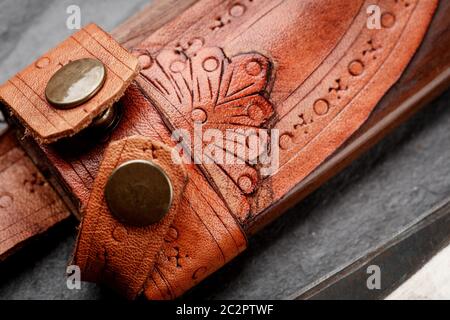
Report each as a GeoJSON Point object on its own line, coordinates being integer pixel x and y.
{"type": "Point", "coordinates": [366, 204]}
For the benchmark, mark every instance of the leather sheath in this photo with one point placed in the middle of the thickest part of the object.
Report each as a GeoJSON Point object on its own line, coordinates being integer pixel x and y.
{"type": "Point", "coordinates": [311, 70]}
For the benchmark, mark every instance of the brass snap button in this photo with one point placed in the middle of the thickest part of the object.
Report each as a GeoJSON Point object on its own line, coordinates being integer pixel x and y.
{"type": "Point", "coordinates": [139, 193]}
{"type": "Point", "coordinates": [75, 83]}
{"type": "Point", "coordinates": [107, 120]}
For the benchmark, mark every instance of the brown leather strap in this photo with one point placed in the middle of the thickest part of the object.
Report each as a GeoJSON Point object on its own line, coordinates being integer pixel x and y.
{"type": "Point", "coordinates": [24, 94]}
{"type": "Point", "coordinates": [113, 253]}
{"type": "Point", "coordinates": [124, 256]}
{"type": "Point", "coordinates": [28, 204]}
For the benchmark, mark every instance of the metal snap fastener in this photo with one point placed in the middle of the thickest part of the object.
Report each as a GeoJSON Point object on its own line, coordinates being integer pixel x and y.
{"type": "Point", "coordinates": [107, 120]}
{"type": "Point", "coordinates": [75, 83]}
{"type": "Point", "coordinates": [139, 193]}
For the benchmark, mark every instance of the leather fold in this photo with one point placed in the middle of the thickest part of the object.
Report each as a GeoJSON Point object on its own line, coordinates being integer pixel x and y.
{"type": "Point", "coordinates": [24, 94]}
{"type": "Point", "coordinates": [114, 253]}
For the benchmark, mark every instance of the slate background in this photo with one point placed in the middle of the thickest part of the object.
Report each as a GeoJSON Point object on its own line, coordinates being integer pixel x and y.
{"type": "Point", "coordinates": [366, 204]}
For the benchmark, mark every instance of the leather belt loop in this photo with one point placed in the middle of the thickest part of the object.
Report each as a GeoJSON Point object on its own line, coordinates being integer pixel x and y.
{"type": "Point", "coordinates": [115, 253]}
{"type": "Point", "coordinates": [165, 259]}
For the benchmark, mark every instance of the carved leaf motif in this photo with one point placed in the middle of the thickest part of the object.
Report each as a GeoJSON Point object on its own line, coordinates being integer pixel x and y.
{"type": "Point", "coordinates": [221, 94]}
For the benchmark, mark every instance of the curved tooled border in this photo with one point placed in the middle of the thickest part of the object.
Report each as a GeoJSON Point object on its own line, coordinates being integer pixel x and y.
{"type": "Point", "coordinates": [358, 110]}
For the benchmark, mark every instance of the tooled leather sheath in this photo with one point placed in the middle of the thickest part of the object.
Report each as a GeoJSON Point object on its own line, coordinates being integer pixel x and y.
{"type": "Point", "coordinates": [313, 70]}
